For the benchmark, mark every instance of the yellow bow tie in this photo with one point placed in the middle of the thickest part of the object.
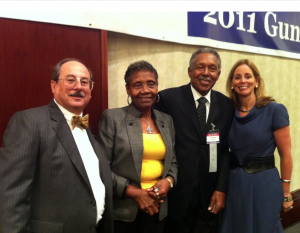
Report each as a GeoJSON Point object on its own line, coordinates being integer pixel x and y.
{"type": "Point", "coordinates": [82, 122]}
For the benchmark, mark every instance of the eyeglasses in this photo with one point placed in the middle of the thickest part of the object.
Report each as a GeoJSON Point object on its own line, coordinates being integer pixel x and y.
{"type": "Point", "coordinates": [71, 82]}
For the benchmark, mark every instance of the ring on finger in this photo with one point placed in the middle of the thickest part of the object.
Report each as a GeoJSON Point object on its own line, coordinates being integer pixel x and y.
{"type": "Point", "coordinates": [156, 189]}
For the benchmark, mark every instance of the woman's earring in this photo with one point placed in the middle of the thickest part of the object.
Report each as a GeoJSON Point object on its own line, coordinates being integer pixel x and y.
{"type": "Point", "coordinates": [158, 98]}
{"type": "Point", "coordinates": [128, 99]}
{"type": "Point", "coordinates": [256, 86]}
{"type": "Point", "coordinates": [231, 88]}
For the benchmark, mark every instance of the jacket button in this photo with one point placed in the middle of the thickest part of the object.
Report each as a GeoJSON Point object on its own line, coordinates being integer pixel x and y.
{"type": "Point", "coordinates": [130, 123]}
{"type": "Point", "coordinates": [163, 126]}
{"type": "Point", "coordinates": [93, 227]}
{"type": "Point", "coordinates": [93, 203]}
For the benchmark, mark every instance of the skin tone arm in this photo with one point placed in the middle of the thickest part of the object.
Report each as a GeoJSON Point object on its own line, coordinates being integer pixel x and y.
{"type": "Point", "coordinates": [283, 141]}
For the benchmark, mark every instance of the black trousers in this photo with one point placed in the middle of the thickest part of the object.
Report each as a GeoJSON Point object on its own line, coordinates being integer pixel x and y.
{"type": "Point", "coordinates": [197, 219]}
{"type": "Point", "coordinates": [143, 223]}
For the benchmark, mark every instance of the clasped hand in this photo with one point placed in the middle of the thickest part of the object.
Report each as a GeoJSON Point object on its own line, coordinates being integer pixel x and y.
{"type": "Point", "coordinates": [159, 190]}
{"type": "Point", "coordinates": [149, 200]}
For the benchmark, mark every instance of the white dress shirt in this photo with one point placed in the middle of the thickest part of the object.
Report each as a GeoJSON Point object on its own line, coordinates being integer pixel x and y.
{"type": "Point", "coordinates": [90, 161]}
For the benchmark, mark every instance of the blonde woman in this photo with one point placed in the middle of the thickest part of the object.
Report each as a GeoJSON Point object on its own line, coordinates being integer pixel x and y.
{"type": "Point", "coordinates": [256, 192]}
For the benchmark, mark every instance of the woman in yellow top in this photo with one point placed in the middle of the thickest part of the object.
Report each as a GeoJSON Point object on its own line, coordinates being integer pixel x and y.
{"type": "Point", "coordinates": [139, 142]}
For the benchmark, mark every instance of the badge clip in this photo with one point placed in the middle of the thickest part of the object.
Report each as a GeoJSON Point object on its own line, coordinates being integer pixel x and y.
{"type": "Point", "coordinates": [213, 126]}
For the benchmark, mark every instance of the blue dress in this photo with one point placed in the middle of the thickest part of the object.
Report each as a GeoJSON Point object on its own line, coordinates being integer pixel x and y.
{"type": "Point", "coordinates": [254, 200]}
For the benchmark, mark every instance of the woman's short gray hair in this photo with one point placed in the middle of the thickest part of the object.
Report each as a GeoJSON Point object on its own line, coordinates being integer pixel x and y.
{"type": "Point", "coordinates": [139, 66]}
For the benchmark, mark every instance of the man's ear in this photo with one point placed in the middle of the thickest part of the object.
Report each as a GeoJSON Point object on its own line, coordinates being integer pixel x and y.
{"type": "Point", "coordinates": [219, 75]}
{"type": "Point", "coordinates": [53, 85]}
{"type": "Point", "coordinates": [190, 72]}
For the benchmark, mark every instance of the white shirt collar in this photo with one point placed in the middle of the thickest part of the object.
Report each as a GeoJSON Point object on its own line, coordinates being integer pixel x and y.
{"type": "Point", "coordinates": [68, 115]}
{"type": "Point", "coordinates": [197, 95]}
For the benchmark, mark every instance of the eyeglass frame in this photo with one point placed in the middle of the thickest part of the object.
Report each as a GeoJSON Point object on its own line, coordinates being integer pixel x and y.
{"type": "Point", "coordinates": [90, 82]}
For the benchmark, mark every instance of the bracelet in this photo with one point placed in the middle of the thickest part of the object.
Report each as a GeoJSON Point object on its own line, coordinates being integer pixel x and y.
{"type": "Point", "coordinates": [288, 199]}
{"type": "Point", "coordinates": [285, 181]}
{"type": "Point", "coordinates": [171, 183]}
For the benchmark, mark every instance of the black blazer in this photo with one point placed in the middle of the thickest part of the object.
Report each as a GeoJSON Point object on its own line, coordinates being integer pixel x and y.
{"type": "Point", "coordinates": [44, 186]}
{"type": "Point", "coordinates": [191, 150]}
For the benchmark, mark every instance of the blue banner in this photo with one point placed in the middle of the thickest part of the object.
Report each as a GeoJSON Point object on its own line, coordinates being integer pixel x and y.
{"type": "Point", "coordinates": [271, 30]}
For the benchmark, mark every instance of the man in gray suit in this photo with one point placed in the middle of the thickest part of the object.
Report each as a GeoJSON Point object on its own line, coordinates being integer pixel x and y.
{"type": "Point", "coordinates": [54, 176]}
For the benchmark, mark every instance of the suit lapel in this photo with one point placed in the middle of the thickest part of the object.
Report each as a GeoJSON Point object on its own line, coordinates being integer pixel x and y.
{"type": "Point", "coordinates": [188, 103]}
{"type": "Point", "coordinates": [134, 129]}
{"type": "Point", "coordinates": [92, 140]}
{"type": "Point", "coordinates": [213, 111]}
{"type": "Point", "coordinates": [64, 134]}
{"type": "Point", "coordinates": [165, 134]}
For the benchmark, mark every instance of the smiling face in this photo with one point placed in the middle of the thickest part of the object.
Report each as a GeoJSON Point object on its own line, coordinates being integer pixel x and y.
{"type": "Point", "coordinates": [204, 73]}
{"type": "Point", "coordinates": [73, 98]}
{"type": "Point", "coordinates": [143, 89]}
{"type": "Point", "coordinates": [243, 81]}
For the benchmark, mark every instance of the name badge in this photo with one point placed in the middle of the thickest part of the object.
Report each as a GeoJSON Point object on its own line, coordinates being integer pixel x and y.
{"type": "Point", "coordinates": [212, 138]}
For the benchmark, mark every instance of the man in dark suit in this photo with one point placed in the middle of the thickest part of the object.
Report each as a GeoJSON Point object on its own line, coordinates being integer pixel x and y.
{"type": "Point", "coordinates": [203, 168]}
{"type": "Point", "coordinates": [54, 177]}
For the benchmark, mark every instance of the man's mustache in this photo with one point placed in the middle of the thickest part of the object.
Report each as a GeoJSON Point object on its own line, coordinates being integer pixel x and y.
{"type": "Point", "coordinates": [204, 78]}
{"type": "Point", "coordinates": [77, 94]}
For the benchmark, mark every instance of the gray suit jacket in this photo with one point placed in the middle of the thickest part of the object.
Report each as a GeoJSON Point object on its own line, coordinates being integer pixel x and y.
{"type": "Point", "coordinates": [44, 186]}
{"type": "Point", "coordinates": [120, 132]}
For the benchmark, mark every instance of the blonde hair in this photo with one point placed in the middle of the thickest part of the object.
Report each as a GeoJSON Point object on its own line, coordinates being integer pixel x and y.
{"type": "Point", "coordinates": [260, 91]}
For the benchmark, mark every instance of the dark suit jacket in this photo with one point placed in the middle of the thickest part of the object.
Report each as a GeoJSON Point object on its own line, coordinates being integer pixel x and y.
{"type": "Point", "coordinates": [120, 132]}
{"type": "Point", "coordinates": [44, 186]}
{"type": "Point", "coordinates": [191, 150]}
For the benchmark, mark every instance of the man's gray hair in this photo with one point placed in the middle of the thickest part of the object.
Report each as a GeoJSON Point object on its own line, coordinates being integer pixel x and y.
{"type": "Point", "coordinates": [205, 50]}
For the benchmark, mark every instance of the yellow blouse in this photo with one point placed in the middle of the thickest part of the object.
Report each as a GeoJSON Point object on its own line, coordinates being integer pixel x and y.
{"type": "Point", "coordinates": [153, 157]}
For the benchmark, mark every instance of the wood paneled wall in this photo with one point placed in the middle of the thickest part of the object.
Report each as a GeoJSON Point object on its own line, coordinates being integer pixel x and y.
{"type": "Point", "coordinates": [30, 50]}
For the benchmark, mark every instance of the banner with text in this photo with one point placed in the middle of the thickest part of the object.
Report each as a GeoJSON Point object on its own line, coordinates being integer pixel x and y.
{"type": "Point", "coordinates": [271, 30]}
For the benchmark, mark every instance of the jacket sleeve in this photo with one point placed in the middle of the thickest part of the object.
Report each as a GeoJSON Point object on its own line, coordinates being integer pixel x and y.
{"type": "Point", "coordinates": [18, 161]}
{"type": "Point", "coordinates": [173, 171]}
{"type": "Point", "coordinates": [224, 163]}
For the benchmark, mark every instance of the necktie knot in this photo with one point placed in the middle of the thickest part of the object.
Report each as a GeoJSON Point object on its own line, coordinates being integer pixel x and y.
{"type": "Point", "coordinates": [202, 100]}
{"type": "Point", "coordinates": [81, 122]}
